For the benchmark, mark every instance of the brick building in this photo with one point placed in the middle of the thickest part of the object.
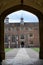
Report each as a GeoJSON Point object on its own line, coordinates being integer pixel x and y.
{"type": "Point", "coordinates": [21, 34]}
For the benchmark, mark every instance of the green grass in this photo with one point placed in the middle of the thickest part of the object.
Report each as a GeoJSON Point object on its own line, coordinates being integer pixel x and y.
{"type": "Point", "coordinates": [7, 49]}
{"type": "Point", "coordinates": [36, 49]}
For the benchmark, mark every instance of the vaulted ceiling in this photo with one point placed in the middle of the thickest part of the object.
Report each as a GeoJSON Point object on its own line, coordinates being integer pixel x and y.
{"type": "Point", "coordinates": [6, 4]}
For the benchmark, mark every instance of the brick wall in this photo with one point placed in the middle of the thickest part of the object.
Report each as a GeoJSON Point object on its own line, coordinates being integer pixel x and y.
{"type": "Point", "coordinates": [30, 31]}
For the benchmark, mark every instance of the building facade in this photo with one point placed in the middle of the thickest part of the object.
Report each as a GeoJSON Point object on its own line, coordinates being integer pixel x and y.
{"type": "Point", "coordinates": [18, 35]}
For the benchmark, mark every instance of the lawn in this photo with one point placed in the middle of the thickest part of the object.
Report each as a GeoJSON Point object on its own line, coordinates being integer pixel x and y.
{"type": "Point", "coordinates": [7, 49]}
{"type": "Point", "coordinates": [36, 49]}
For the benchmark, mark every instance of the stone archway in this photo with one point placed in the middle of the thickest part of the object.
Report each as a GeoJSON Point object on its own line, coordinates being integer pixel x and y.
{"type": "Point", "coordinates": [28, 6]}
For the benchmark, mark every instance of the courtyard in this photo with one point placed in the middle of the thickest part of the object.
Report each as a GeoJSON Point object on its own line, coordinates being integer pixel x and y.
{"type": "Point", "coordinates": [21, 56]}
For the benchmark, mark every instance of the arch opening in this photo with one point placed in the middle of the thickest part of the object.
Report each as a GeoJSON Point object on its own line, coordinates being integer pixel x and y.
{"type": "Point", "coordinates": [14, 29]}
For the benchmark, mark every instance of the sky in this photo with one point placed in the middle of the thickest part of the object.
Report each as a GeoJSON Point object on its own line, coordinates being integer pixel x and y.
{"type": "Point", "coordinates": [27, 16]}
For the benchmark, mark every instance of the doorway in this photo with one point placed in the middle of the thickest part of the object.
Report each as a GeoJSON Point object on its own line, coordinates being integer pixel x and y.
{"type": "Point", "coordinates": [22, 44]}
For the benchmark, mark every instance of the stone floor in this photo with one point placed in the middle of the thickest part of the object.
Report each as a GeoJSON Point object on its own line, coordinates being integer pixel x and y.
{"type": "Point", "coordinates": [23, 58]}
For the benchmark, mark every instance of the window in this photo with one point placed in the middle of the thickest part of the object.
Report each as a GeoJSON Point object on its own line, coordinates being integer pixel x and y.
{"type": "Point", "coordinates": [15, 29]}
{"type": "Point", "coordinates": [22, 28]}
{"type": "Point", "coordinates": [29, 28]}
{"type": "Point", "coordinates": [9, 28]}
{"type": "Point", "coordinates": [36, 28]}
{"type": "Point", "coordinates": [31, 35]}
{"type": "Point", "coordinates": [13, 38]}
{"type": "Point", "coordinates": [16, 37]}
{"type": "Point", "coordinates": [22, 36]}
{"type": "Point", "coordinates": [6, 39]}
{"type": "Point", "coordinates": [26, 28]}
{"type": "Point", "coordinates": [31, 42]}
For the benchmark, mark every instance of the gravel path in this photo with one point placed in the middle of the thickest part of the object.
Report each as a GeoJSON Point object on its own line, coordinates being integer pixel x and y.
{"type": "Point", "coordinates": [32, 53]}
{"type": "Point", "coordinates": [11, 54]}
{"type": "Point", "coordinates": [22, 56]}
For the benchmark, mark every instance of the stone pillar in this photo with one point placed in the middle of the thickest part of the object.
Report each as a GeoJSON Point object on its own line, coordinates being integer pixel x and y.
{"type": "Point", "coordinates": [2, 52]}
{"type": "Point", "coordinates": [41, 38]}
